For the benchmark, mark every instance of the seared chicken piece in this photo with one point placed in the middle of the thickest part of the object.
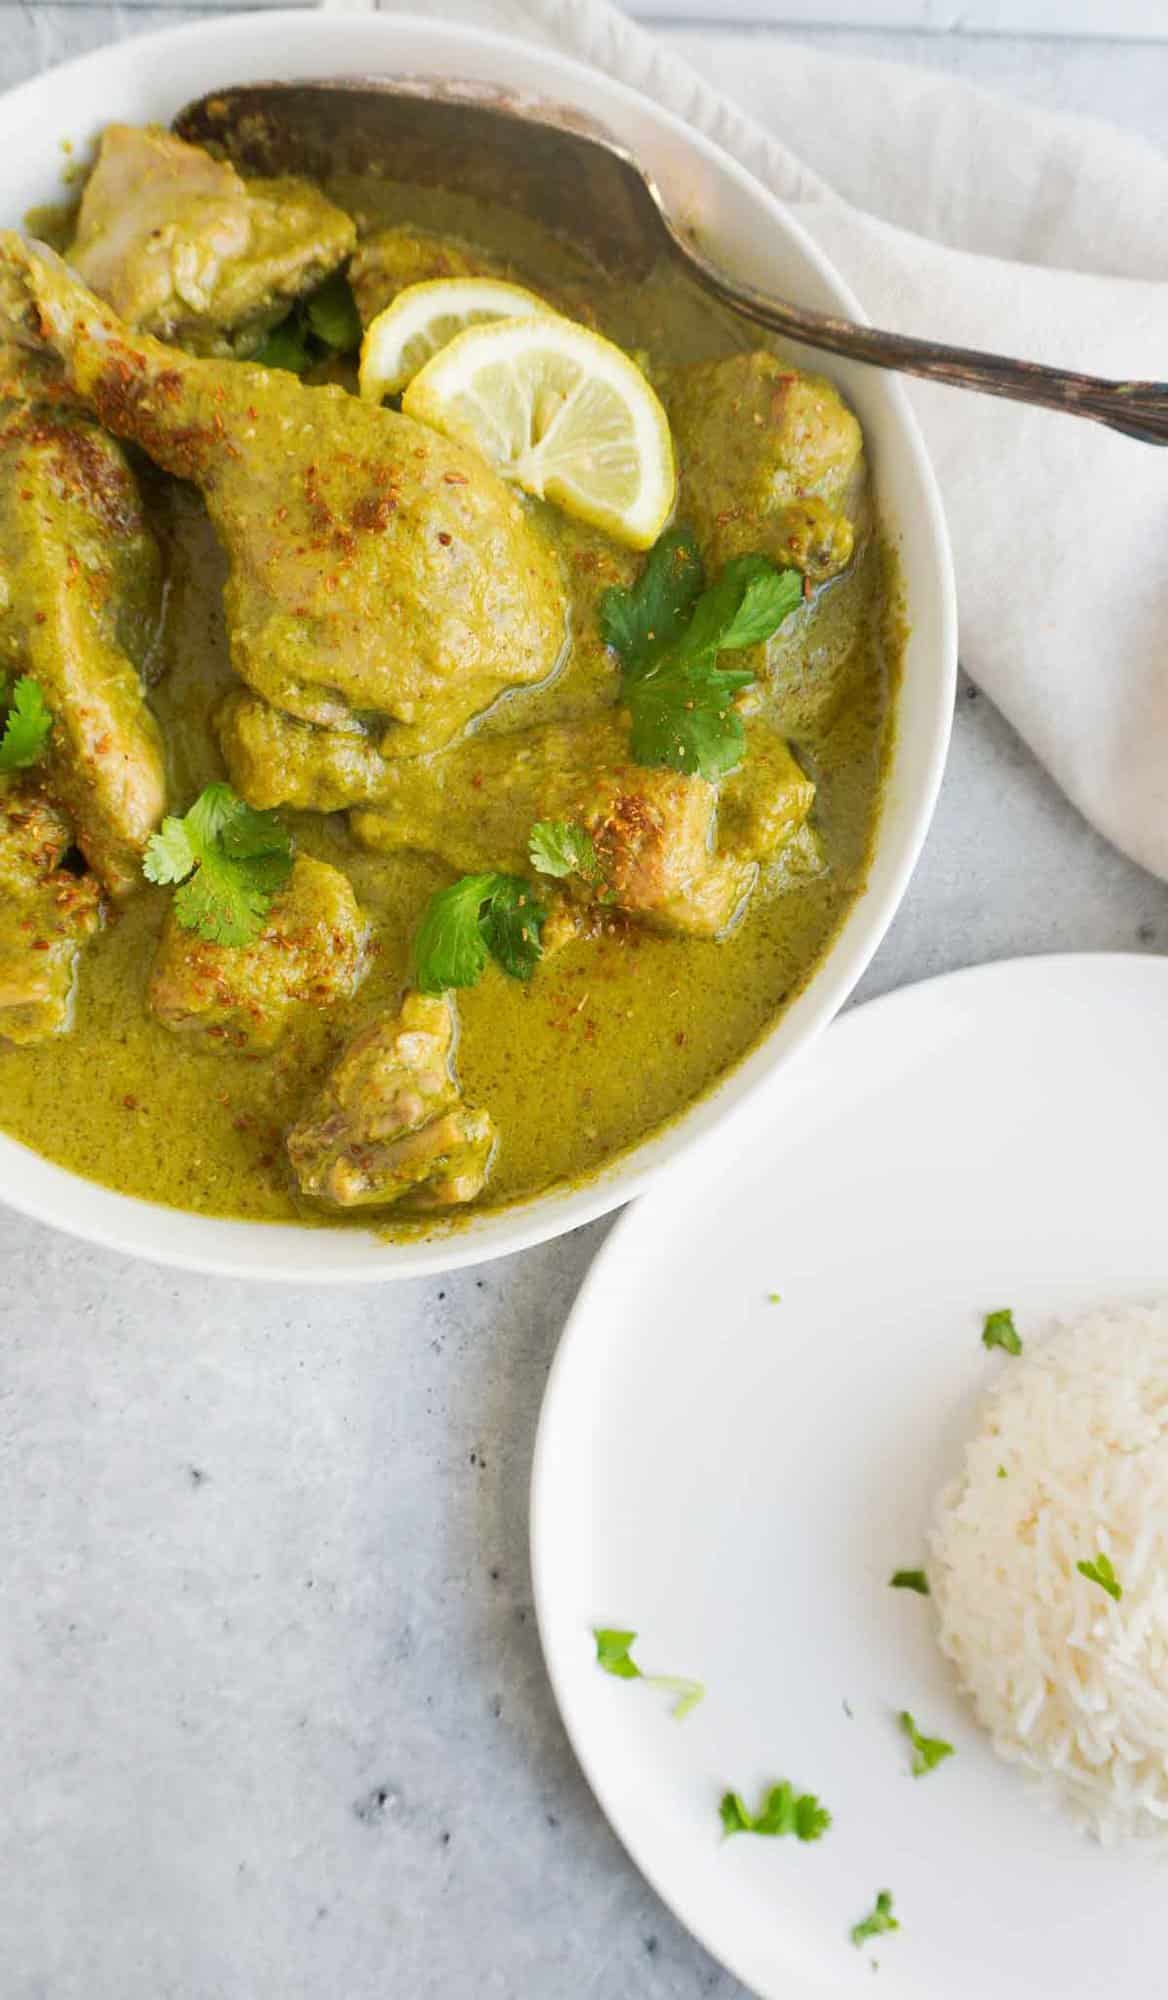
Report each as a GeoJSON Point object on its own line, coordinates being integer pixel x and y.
{"type": "Point", "coordinates": [389, 1124]}
{"type": "Point", "coordinates": [386, 262]}
{"type": "Point", "coordinates": [654, 830]}
{"type": "Point", "coordinates": [80, 597]}
{"type": "Point", "coordinates": [46, 915]}
{"type": "Point", "coordinates": [474, 806]}
{"type": "Point", "coordinates": [313, 951]}
{"type": "Point", "coordinates": [374, 566]}
{"type": "Point", "coordinates": [791, 486]}
{"type": "Point", "coordinates": [183, 248]}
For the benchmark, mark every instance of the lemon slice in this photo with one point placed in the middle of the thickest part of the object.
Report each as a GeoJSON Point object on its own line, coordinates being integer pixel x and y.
{"type": "Point", "coordinates": [423, 318]}
{"type": "Point", "coordinates": [562, 412]}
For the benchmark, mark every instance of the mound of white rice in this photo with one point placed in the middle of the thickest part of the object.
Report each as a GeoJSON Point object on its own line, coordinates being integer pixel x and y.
{"type": "Point", "coordinates": [1070, 1460]}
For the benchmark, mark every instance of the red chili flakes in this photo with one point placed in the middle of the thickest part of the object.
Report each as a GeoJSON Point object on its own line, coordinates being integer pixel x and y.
{"type": "Point", "coordinates": [372, 514]}
{"type": "Point", "coordinates": [444, 538]}
{"type": "Point", "coordinates": [131, 1103]}
{"type": "Point", "coordinates": [455, 479]}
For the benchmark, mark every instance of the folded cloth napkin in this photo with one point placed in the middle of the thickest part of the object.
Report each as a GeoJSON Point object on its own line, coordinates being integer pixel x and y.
{"type": "Point", "coordinates": [961, 216]}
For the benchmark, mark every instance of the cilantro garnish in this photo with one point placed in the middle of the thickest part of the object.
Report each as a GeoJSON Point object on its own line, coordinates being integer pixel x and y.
{"type": "Point", "coordinates": [999, 1331]}
{"type": "Point", "coordinates": [614, 1654]}
{"type": "Point", "coordinates": [327, 322]}
{"type": "Point", "coordinates": [669, 631]}
{"type": "Point", "coordinates": [478, 918]}
{"type": "Point", "coordinates": [783, 1810]}
{"type": "Point", "coordinates": [909, 1579]}
{"type": "Point", "coordinates": [879, 1920]}
{"type": "Point", "coordinates": [286, 346]}
{"type": "Point", "coordinates": [640, 623]}
{"type": "Point", "coordinates": [26, 726]}
{"type": "Point", "coordinates": [1101, 1572]}
{"type": "Point", "coordinates": [332, 315]}
{"type": "Point", "coordinates": [230, 860]}
{"type": "Point", "coordinates": [562, 847]}
{"type": "Point", "coordinates": [928, 1751]}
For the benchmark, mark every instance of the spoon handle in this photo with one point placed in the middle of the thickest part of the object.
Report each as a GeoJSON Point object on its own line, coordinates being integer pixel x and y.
{"type": "Point", "coordinates": [1139, 409]}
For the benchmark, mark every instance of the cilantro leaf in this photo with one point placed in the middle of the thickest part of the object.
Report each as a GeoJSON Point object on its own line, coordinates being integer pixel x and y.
{"type": "Point", "coordinates": [783, 1811]}
{"type": "Point", "coordinates": [170, 853]}
{"type": "Point", "coordinates": [879, 1920]}
{"type": "Point", "coordinates": [228, 861]}
{"type": "Point", "coordinates": [928, 1751]}
{"type": "Point", "coordinates": [562, 847]}
{"type": "Point", "coordinates": [614, 1654]}
{"type": "Point", "coordinates": [687, 1693]}
{"type": "Point", "coordinates": [681, 702]}
{"type": "Point", "coordinates": [684, 717]}
{"type": "Point", "coordinates": [450, 949]}
{"type": "Point", "coordinates": [26, 726]}
{"type": "Point", "coordinates": [477, 918]}
{"type": "Point", "coordinates": [511, 923]}
{"type": "Point", "coordinates": [1101, 1572]}
{"type": "Point", "coordinates": [332, 315]}
{"type": "Point", "coordinates": [641, 622]}
{"type": "Point", "coordinates": [909, 1579]}
{"type": "Point", "coordinates": [999, 1331]}
{"type": "Point", "coordinates": [768, 596]}
{"type": "Point", "coordinates": [749, 601]}
{"type": "Point", "coordinates": [286, 346]}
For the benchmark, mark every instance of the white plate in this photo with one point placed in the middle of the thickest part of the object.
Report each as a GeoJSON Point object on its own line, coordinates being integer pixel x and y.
{"type": "Point", "coordinates": [736, 1480]}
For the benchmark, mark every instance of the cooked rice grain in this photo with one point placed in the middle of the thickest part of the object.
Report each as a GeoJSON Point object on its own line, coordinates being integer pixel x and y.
{"type": "Point", "coordinates": [1069, 1683]}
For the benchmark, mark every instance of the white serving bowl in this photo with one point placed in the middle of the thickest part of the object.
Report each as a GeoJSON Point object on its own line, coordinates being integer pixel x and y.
{"type": "Point", "coordinates": [149, 78]}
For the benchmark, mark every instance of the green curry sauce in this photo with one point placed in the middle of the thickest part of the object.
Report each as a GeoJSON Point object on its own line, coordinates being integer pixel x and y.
{"type": "Point", "coordinates": [612, 1037]}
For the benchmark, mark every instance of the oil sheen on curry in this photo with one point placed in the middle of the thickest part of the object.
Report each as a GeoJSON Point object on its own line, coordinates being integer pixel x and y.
{"type": "Point", "coordinates": [443, 723]}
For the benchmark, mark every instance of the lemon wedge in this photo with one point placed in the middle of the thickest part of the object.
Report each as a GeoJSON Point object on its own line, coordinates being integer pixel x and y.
{"type": "Point", "coordinates": [562, 412]}
{"type": "Point", "coordinates": [424, 318]}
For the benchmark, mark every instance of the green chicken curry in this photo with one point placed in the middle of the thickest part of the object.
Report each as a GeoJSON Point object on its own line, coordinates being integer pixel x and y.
{"type": "Point", "coordinates": [377, 840]}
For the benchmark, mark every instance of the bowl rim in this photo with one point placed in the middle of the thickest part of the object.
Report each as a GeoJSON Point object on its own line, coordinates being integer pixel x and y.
{"type": "Point", "coordinates": [220, 1246]}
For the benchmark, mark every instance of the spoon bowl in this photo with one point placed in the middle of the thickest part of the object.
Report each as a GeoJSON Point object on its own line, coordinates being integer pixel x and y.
{"type": "Point", "coordinates": [551, 161]}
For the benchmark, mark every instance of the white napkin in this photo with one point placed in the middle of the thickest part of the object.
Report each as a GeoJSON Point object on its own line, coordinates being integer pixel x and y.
{"type": "Point", "coordinates": [1032, 234]}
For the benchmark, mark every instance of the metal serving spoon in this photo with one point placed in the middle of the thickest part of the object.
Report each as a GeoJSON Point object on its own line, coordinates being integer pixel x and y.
{"type": "Point", "coordinates": [566, 170]}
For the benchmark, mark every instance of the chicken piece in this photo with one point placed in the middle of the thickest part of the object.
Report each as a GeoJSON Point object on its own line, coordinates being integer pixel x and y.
{"type": "Point", "coordinates": [653, 829]}
{"type": "Point", "coordinates": [386, 262]}
{"type": "Point", "coordinates": [80, 600]}
{"type": "Point", "coordinates": [789, 486]}
{"type": "Point", "coordinates": [389, 1124]}
{"type": "Point", "coordinates": [313, 951]}
{"type": "Point", "coordinates": [46, 915]}
{"type": "Point", "coordinates": [183, 248]}
{"type": "Point", "coordinates": [766, 802]}
{"type": "Point", "coordinates": [375, 568]}
{"type": "Point", "coordinates": [26, 378]}
{"type": "Point", "coordinates": [272, 759]}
